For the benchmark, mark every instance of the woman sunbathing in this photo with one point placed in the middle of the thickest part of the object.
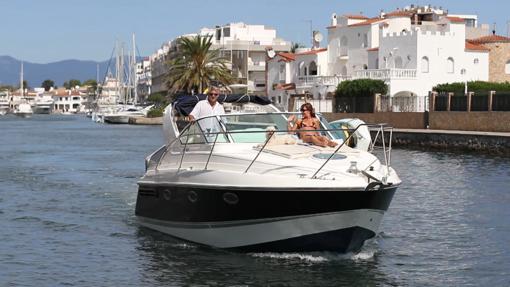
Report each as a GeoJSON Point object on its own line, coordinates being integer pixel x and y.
{"type": "Point", "coordinates": [308, 126]}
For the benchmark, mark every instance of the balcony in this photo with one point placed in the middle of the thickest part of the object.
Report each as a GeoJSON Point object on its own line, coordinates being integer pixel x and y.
{"type": "Point", "coordinates": [320, 80]}
{"type": "Point", "coordinates": [385, 74]}
{"type": "Point", "coordinates": [256, 66]}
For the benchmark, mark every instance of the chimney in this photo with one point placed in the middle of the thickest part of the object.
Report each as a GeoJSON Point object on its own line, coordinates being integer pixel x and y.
{"type": "Point", "coordinates": [494, 29]}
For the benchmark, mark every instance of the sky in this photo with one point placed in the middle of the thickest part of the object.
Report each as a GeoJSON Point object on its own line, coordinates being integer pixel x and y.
{"type": "Point", "coordinates": [43, 31]}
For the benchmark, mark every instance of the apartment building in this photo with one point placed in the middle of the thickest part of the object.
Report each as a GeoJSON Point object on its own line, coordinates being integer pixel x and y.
{"type": "Point", "coordinates": [244, 45]}
{"type": "Point", "coordinates": [143, 79]}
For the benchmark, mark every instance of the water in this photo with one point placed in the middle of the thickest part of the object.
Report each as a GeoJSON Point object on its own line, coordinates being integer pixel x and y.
{"type": "Point", "coordinates": [68, 190]}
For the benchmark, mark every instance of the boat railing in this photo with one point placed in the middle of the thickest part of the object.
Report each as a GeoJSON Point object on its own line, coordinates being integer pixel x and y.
{"type": "Point", "coordinates": [380, 142]}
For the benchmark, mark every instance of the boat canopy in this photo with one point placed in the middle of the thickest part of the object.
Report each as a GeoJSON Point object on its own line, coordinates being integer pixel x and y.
{"type": "Point", "coordinates": [184, 104]}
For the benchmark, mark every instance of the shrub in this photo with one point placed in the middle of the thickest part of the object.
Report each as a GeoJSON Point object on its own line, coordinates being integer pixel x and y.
{"type": "Point", "coordinates": [360, 88]}
{"type": "Point", "coordinates": [156, 111]}
{"type": "Point", "coordinates": [474, 86]}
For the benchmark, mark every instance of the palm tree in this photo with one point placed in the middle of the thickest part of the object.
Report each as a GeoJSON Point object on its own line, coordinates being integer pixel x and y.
{"type": "Point", "coordinates": [295, 46]}
{"type": "Point", "coordinates": [195, 66]}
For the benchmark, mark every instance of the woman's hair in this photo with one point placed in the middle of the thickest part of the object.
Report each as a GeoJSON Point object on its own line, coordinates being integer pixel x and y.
{"type": "Point", "coordinates": [308, 107]}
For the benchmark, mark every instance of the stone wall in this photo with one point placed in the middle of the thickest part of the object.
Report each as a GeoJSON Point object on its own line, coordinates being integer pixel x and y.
{"type": "Point", "coordinates": [470, 121]}
{"type": "Point", "coordinates": [494, 144]}
{"type": "Point", "coordinates": [396, 120]}
{"type": "Point", "coordinates": [463, 121]}
{"type": "Point", "coordinates": [498, 56]}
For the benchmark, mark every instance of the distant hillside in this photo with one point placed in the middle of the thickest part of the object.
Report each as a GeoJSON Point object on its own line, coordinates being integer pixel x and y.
{"type": "Point", "coordinates": [59, 72]}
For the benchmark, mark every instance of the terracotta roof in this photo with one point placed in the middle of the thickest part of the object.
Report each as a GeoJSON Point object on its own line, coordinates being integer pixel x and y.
{"type": "Point", "coordinates": [455, 19]}
{"type": "Point", "coordinates": [367, 22]}
{"type": "Point", "coordinates": [373, 49]}
{"type": "Point", "coordinates": [285, 87]}
{"type": "Point", "coordinates": [490, 39]}
{"type": "Point", "coordinates": [61, 93]}
{"type": "Point", "coordinates": [398, 13]}
{"type": "Point", "coordinates": [311, 52]}
{"type": "Point", "coordinates": [475, 47]}
{"type": "Point", "coordinates": [287, 57]}
{"type": "Point", "coordinates": [353, 16]}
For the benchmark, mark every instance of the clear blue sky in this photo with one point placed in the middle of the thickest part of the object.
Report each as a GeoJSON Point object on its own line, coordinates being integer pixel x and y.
{"type": "Point", "coordinates": [44, 31]}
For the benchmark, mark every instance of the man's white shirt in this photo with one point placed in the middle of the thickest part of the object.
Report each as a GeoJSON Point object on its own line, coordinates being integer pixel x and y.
{"type": "Point", "coordinates": [203, 109]}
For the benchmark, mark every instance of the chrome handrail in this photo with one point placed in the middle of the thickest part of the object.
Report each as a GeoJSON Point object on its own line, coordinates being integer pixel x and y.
{"type": "Point", "coordinates": [380, 131]}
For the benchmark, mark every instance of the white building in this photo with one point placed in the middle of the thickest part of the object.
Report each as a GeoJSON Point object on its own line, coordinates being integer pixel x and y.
{"type": "Point", "coordinates": [412, 50]}
{"type": "Point", "coordinates": [66, 101]}
{"type": "Point", "coordinates": [143, 79]}
{"type": "Point", "coordinates": [245, 45]}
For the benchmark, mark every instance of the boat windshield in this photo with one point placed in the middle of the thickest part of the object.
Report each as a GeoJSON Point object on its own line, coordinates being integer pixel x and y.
{"type": "Point", "coordinates": [244, 128]}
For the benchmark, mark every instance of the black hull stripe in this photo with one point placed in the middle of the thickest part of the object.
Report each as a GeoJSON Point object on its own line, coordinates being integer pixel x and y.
{"type": "Point", "coordinates": [193, 205]}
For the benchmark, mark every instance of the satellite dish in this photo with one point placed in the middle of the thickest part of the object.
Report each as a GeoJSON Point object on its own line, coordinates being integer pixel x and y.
{"type": "Point", "coordinates": [317, 36]}
{"type": "Point", "coordinates": [270, 53]}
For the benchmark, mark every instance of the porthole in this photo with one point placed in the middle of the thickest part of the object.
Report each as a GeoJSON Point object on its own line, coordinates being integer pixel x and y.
{"type": "Point", "coordinates": [230, 198]}
{"type": "Point", "coordinates": [167, 194]}
{"type": "Point", "coordinates": [192, 196]}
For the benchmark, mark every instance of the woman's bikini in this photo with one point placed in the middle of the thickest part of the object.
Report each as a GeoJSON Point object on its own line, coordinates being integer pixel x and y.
{"type": "Point", "coordinates": [308, 128]}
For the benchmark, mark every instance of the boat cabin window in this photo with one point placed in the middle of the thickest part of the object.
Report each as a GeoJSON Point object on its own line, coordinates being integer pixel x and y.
{"type": "Point", "coordinates": [203, 131]}
{"type": "Point", "coordinates": [251, 128]}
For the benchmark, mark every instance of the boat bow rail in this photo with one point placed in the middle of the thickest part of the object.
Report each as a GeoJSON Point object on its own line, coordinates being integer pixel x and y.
{"type": "Point", "coordinates": [218, 131]}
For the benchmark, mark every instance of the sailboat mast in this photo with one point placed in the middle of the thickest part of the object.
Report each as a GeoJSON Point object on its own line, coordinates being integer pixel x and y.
{"type": "Point", "coordinates": [134, 72]}
{"type": "Point", "coordinates": [21, 88]}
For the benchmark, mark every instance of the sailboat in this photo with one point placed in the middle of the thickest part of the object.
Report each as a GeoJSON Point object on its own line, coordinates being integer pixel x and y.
{"type": "Point", "coordinates": [24, 109]}
{"type": "Point", "coordinates": [128, 93]}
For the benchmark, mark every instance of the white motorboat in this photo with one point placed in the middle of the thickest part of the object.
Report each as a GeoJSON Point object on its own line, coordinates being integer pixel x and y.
{"type": "Point", "coordinates": [43, 104]}
{"type": "Point", "coordinates": [122, 116]}
{"type": "Point", "coordinates": [23, 110]}
{"type": "Point", "coordinates": [221, 181]}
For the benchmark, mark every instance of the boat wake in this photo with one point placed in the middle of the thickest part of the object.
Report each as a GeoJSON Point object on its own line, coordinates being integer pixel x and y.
{"type": "Point", "coordinates": [319, 257]}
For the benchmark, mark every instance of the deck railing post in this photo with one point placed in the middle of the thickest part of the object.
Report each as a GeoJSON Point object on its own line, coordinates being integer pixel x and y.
{"type": "Point", "coordinates": [491, 94]}
{"type": "Point", "coordinates": [469, 98]}
{"type": "Point", "coordinates": [448, 104]}
{"type": "Point", "coordinates": [432, 101]}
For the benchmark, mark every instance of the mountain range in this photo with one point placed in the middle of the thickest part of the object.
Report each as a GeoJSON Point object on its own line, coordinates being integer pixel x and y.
{"type": "Point", "coordinates": [58, 72]}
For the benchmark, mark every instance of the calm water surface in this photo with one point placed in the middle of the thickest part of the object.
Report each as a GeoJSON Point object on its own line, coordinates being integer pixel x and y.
{"type": "Point", "coordinates": [68, 191]}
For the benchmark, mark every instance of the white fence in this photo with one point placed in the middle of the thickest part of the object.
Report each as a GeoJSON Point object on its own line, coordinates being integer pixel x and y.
{"type": "Point", "coordinates": [385, 74]}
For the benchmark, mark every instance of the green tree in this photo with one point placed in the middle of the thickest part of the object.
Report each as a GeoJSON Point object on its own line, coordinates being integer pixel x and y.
{"type": "Point", "coordinates": [91, 85]}
{"type": "Point", "coordinates": [72, 83]}
{"type": "Point", "coordinates": [25, 85]}
{"type": "Point", "coordinates": [356, 95]}
{"type": "Point", "coordinates": [47, 84]}
{"type": "Point", "coordinates": [7, 88]}
{"type": "Point", "coordinates": [157, 99]}
{"type": "Point", "coordinates": [295, 46]}
{"type": "Point", "coordinates": [194, 66]}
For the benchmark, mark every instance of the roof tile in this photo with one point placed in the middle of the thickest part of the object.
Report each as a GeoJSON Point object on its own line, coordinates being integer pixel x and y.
{"type": "Point", "coordinates": [490, 39]}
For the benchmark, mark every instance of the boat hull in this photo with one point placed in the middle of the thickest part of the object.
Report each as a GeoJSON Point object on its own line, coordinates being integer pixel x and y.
{"type": "Point", "coordinates": [23, 115]}
{"type": "Point", "coordinates": [42, 110]}
{"type": "Point", "coordinates": [265, 220]}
